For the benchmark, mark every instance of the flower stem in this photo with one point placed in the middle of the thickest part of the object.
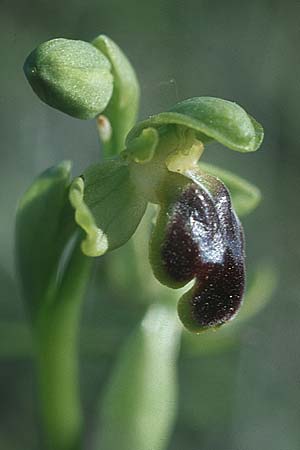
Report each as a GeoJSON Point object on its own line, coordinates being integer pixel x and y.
{"type": "Point", "coordinates": [57, 364]}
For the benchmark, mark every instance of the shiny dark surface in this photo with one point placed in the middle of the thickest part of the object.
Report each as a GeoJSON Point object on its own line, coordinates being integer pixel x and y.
{"type": "Point", "coordinates": [204, 240]}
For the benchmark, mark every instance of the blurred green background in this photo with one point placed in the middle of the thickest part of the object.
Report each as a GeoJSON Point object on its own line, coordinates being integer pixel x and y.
{"type": "Point", "coordinates": [241, 396]}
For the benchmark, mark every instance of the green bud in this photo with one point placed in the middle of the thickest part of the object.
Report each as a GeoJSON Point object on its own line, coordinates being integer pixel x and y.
{"type": "Point", "coordinates": [71, 76]}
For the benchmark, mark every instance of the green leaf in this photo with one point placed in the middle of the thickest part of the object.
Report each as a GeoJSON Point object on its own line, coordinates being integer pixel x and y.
{"type": "Point", "coordinates": [71, 76]}
{"type": "Point", "coordinates": [211, 119]}
{"type": "Point", "coordinates": [140, 402]}
{"type": "Point", "coordinates": [43, 226]}
{"type": "Point", "coordinates": [123, 106]}
{"type": "Point", "coordinates": [245, 196]}
{"type": "Point", "coordinates": [107, 205]}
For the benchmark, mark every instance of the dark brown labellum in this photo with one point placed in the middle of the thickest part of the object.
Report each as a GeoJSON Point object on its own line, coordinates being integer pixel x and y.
{"type": "Point", "coordinates": [200, 237]}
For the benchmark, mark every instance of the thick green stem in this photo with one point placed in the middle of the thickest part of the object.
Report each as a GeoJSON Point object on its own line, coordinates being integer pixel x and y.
{"type": "Point", "coordinates": [57, 365]}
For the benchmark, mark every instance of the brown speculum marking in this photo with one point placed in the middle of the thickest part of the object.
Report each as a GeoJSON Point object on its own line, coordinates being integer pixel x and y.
{"type": "Point", "coordinates": [203, 240]}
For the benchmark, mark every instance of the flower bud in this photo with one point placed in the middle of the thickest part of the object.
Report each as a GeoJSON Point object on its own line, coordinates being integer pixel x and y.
{"type": "Point", "coordinates": [71, 76]}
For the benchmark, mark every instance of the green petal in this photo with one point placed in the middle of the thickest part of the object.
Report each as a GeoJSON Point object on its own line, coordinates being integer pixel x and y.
{"type": "Point", "coordinates": [245, 196]}
{"type": "Point", "coordinates": [43, 226]}
{"type": "Point", "coordinates": [123, 106]}
{"type": "Point", "coordinates": [211, 119]}
{"type": "Point", "coordinates": [107, 206]}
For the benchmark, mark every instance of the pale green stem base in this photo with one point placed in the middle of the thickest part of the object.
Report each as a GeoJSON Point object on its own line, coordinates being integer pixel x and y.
{"type": "Point", "coordinates": [57, 365]}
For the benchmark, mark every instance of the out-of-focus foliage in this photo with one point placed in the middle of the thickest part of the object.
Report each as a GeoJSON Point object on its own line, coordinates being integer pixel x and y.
{"type": "Point", "coordinates": [246, 396]}
{"type": "Point", "coordinates": [140, 404]}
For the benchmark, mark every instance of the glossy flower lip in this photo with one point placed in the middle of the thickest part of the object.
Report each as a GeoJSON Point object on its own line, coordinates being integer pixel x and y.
{"type": "Point", "coordinates": [200, 237]}
{"type": "Point", "coordinates": [218, 267]}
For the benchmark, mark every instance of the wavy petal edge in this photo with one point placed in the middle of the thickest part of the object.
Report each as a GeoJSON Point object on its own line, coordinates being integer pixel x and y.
{"type": "Point", "coordinates": [95, 242]}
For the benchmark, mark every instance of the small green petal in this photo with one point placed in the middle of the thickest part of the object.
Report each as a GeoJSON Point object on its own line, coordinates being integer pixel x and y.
{"type": "Point", "coordinates": [245, 196]}
{"type": "Point", "coordinates": [107, 206]}
{"type": "Point", "coordinates": [211, 119]}
{"type": "Point", "coordinates": [142, 148]}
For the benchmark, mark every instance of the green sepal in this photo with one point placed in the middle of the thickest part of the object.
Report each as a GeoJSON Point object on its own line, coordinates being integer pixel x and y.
{"type": "Point", "coordinates": [123, 106]}
{"type": "Point", "coordinates": [44, 224]}
{"type": "Point", "coordinates": [245, 196]}
{"type": "Point", "coordinates": [211, 119]}
{"type": "Point", "coordinates": [71, 76]}
{"type": "Point", "coordinates": [107, 206]}
{"type": "Point", "coordinates": [140, 402]}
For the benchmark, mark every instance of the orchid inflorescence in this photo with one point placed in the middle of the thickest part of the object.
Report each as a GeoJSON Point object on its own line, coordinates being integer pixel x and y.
{"type": "Point", "coordinates": [197, 235]}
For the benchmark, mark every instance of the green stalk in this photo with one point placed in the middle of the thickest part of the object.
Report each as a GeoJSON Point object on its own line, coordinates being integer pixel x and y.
{"type": "Point", "coordinates": [57, 359]}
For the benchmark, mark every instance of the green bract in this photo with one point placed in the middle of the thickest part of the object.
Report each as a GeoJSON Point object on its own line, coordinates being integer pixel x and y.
{"type": "Point", "coordinates": [211, 119]}
{"type": "Point", "coordinates": [123, 106]}
{"type": "Point", "coordinates": [72, 76]}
